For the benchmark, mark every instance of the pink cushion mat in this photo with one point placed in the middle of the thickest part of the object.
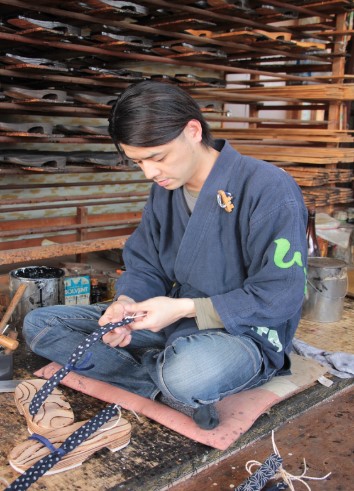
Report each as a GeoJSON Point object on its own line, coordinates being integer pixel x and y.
{"type": "Point", "coordinates": [237, 412]}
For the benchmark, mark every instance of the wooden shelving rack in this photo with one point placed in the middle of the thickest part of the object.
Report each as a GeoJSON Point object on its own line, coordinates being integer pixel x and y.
{"type": "Point", "coordinates": [62, 64]}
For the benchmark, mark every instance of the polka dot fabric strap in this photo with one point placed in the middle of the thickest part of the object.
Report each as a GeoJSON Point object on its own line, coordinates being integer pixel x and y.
{"type": "Point", "coordinates": [50, 385]}
{"type": "Point", "coordinates": [80, 435]}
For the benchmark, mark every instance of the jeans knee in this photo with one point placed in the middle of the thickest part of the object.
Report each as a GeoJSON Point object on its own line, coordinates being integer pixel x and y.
{"type": "Point", "coordinates": [179, 388]}
{"type": "Point", "coordinates": [181, 378]}
{"type": "Point", "coordinates": [29, 327]}
{"type": "Point", "coordinates": [34, 322]}
{"type": "Point", "coordinates": [204, 368]}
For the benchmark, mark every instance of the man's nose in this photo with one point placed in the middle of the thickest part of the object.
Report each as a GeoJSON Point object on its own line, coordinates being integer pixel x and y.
{"type": "Point", "coordinates": [149, 168]}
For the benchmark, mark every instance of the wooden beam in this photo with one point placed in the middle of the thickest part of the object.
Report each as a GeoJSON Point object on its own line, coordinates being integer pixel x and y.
{"type": "Point", "coordinates": [82, 220]}
{"type": "Point", "coordinates": [57, 250]}
{"type": "Point", "coordinates": [92, 50]}
{"type": "Point", "coordinates": [159, 32]}
{"type": "Point", "coordinates": [82, 226]}
{"type": "Point", "coordinates": [302, 10]}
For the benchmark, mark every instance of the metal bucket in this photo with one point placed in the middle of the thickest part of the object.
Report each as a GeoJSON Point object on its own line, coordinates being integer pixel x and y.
{"type": "Point", "coordinates": [327, 285]}
{"type": "Point", "coordinates": [45, 286]}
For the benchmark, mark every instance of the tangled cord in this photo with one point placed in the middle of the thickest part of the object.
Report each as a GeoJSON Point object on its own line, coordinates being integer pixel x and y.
{"type": "Point", "coordinates": [272, 469]}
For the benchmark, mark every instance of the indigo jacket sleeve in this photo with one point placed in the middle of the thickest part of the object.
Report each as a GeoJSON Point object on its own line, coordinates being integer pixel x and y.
{"type": "Point", "coordinates": [275, 253]}
{"type": "Point", "coordinates": [144, 276]}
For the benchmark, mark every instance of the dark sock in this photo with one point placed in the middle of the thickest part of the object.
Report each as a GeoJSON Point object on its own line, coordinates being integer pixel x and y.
{"type": "Point", "coordinates": [205, 416]}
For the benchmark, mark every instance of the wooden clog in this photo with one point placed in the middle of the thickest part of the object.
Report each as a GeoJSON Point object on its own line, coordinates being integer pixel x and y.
{"type": "Point", "coordinates": [113, 435]}
{"type": "Point", "coordinates": [54, 413]}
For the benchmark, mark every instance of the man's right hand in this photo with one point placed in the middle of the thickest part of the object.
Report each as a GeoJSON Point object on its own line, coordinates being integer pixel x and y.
{"type": "Point", "coordinates": [121, 336]}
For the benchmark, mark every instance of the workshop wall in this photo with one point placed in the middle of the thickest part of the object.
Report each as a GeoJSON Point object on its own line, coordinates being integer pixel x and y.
{"type": "Point", "coordinates": [62, 64]}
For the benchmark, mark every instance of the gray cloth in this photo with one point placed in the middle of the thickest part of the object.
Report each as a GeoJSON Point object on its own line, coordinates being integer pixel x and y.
{"type": "Point", "coordinates": [339, 363]}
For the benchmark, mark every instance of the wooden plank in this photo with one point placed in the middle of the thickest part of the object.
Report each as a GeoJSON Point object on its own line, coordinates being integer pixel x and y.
{"type": "Point", "coordinates": [297, 8]}
{"type": "Point", "coordinates": [82, 218]}
{"type": "Point", "coordinates": [80, 227]}
{"type": "Point", "coordinates": [298, 154]}
{"type": "Point", "coordinates": [280, 121]}
{"type": "Point", "coordinates": [212, 15]}
{"type": "Point", "coordinates": [88, 19]}
{"type": "Point", "coordinates": [57, 250]}
{"type": "Point", "coordinates": [33, 241]}
{"type": "Point", "coordinates": [316, 92]}
{"type": "Point", "coordinates": [276, 133]}
{"type": "Point", "coordinates": [335, 111]}
{"type": "Point", "coordinates": [92, 50]}
{"type": "Point", "coordinates": [98, 199]}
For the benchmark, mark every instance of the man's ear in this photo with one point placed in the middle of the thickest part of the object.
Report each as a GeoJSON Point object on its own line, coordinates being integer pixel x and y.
{"type": "Point", "coordinates": [193, 130]}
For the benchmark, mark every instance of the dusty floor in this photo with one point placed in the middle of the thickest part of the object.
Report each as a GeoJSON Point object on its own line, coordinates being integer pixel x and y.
{"type": "Point", "coordinates": [320, 436]}
{"type": "Point", "coordinates": [315, 425]}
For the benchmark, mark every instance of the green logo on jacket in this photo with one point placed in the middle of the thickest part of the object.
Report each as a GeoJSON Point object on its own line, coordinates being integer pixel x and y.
{"type": "Point", "coordinates": [281, 250]}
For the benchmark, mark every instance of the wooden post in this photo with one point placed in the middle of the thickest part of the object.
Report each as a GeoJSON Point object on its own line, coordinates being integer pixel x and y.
{"type": "Point", "coordinates": [82, 218]}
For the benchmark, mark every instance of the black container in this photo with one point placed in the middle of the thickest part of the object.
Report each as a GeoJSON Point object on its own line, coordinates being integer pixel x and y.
{"type": "Point", "coordinates": [45, 286]}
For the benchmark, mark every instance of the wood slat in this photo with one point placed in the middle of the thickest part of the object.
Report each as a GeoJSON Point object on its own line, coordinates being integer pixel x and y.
{"type": "Point", "coordinates": [282, 134]}
{"type": "Point", "coordinates": [23, 255]}
{"type": "Point", "coordinates": [306, 155]}
{"type": "Point", "coordinates": [317, 92]}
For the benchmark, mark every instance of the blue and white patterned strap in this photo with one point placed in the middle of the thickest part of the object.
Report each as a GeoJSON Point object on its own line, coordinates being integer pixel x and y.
{"type": "Point", "coordinates": [37, 470]}
{"type": "Point", "coordinates": [72, 363]}
{"type": "Point", "coordinates": [266, 471]}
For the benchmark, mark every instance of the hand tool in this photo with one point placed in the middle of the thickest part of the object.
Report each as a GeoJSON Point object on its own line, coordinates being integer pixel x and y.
{"type": "Point", "coordinates": [7, 342]}
{"type": "Point", "coordinates": [4, 340]}
{"type": "Point", "coordinates": [9, 385]}
{"type": "Point", "coordinates": [13, 304]}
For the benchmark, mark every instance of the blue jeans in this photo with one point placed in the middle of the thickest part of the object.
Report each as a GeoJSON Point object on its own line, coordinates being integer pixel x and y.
{"type": "Point", "coordinates": [194, 370]}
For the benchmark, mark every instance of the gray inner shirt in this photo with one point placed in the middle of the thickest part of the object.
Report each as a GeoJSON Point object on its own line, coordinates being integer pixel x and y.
{"type": "Point", "coordinates": [191, 199]}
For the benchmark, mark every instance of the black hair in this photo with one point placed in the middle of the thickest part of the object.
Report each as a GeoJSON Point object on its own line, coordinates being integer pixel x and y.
{"type": "Point", "coordinates": [149, 114]}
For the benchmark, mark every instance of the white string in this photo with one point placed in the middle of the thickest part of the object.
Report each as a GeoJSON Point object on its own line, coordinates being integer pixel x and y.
{"type": "Point", "coordinates": [136, 415]}
{"type": "Point", "coordinates": [283, 474]}
{"type": "Point", "coordinates": [107, 428]}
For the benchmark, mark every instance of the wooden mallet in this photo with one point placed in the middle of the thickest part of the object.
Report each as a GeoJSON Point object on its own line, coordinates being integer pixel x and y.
{"type": "Point", "coordinates": [5, 341]}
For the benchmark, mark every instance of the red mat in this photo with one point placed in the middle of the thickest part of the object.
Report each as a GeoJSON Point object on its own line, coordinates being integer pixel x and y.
{"type": "Point", "coordinates": [237, 412]}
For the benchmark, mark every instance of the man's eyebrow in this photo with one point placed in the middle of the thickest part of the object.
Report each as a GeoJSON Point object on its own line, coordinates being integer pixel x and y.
{"type": "Point", "coordinates": [151, 156]}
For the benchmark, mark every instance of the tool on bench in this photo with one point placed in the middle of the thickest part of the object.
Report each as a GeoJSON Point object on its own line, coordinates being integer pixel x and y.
{"type": "Point", "coordinates": [6, 341]}
{"type": "Point", "coordinates": [9, 385]}
{"type": "Point", "coordinates": [8, 344]}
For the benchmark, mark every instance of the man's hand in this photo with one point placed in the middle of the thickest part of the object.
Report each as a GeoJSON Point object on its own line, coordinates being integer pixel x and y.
{"type": "Point", "coordinates": [115, 313]}
{"type": "Point", "coordinates": [160, 312]}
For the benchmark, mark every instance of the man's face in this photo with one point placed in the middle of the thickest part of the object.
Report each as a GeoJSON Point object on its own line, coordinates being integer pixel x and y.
{"type": "Point", "coordinates": [173, 164]}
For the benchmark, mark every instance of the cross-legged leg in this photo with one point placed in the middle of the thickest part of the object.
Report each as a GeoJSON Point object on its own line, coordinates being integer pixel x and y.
{"type": "Point", "coordinates": [54, 333]}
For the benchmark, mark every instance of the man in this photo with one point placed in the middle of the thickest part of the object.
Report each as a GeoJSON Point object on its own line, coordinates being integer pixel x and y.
{"type": "Point", "coordinates": [215, 272]}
